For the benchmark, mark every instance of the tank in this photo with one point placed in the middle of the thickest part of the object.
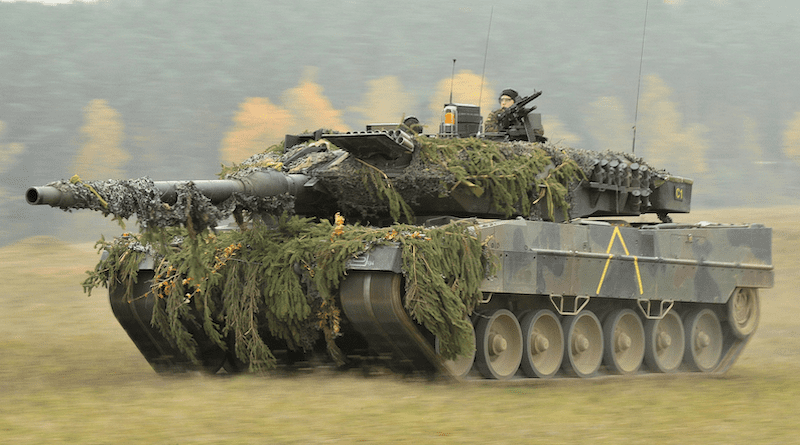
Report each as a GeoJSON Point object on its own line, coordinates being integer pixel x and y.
{"type": "Point", "coordinates": [462, 254]}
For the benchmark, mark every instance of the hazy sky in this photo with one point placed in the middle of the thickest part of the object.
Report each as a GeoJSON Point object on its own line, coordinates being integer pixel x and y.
{"type": "Point", "coordinates": [49, 2]}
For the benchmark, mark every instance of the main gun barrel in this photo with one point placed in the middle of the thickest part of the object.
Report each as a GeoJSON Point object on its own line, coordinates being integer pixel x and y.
{"type": "Point", "coordinates": [258, 183]}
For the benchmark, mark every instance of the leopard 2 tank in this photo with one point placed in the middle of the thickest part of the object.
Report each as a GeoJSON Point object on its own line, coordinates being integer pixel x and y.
{"type": "Point", "coordinates": [545, 278]}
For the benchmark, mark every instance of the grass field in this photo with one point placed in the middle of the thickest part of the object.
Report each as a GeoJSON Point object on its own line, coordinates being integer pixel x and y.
{"type": "Point", "coordinates": [69, 374]}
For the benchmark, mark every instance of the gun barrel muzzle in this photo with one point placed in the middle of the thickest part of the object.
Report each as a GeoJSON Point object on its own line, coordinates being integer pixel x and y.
{"type": "Point", "coordinates": [47, 195]}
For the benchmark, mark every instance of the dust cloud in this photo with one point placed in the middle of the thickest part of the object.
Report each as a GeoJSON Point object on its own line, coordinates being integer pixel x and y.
{"type": "Point", "coordinates": [312, 108]}
{"type": "Point", "coordinates": [100, 155]}
{"type": "Point", "coordinates": [466, 90]}
{"type": "Point", "coordinates": [258, 124]}
{"type": "Point", "coordinates": [662, 136]}
{"type": "Point", "coordinates": [9, 154]}
{"type": "Point", "coordinates": [609, 123]}
{"type": "Point", "coordinates": [791, 139]}
{"type": "Point", "coordinates": [667, 140]}
{"type": "Point", "coordinates": [385, 101]}
{"type": "Point", "coordinates": [558, 133]}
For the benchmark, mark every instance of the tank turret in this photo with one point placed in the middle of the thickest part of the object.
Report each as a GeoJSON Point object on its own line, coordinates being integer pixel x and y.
{"type": "Point", "coordinates": [328, 177]}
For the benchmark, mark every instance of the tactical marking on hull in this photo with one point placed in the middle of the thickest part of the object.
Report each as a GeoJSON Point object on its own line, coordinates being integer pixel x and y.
{"type": "Point", "coordinates": [610, 256]}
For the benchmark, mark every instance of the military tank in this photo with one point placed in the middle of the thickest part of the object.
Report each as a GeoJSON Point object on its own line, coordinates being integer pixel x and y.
{"type": "Point", "coordinates": [459, 253]}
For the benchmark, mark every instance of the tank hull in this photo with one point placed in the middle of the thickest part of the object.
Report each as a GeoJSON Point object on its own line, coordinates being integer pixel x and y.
{"type": "Point", "coordinates": [588, 298]}
{"type": "Point", "coordinates": [662, 280]}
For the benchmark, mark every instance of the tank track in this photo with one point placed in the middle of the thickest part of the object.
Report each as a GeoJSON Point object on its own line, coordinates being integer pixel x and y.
{"type": "Point", "coordinates": [373, 304]}
{"type": "Point", "coordinates": [134, 313]}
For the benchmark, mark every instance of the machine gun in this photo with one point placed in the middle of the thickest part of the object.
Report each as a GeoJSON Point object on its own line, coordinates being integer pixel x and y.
{"type": "Point", "coordinates": [517, 112]}
{"type": "Point", "coordinates": [517, 123]}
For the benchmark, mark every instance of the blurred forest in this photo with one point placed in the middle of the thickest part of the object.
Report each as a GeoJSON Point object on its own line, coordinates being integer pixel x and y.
{"type": "Point", "coordinates": [172, 89]}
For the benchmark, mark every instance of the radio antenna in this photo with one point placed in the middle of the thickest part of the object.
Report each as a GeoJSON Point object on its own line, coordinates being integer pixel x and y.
{"type": "Point", "coordinates": [485, 53]}
{"type": "Point", "coordinates": [452, 75]}
{"type": "Point", "coordinates": [639, 86]}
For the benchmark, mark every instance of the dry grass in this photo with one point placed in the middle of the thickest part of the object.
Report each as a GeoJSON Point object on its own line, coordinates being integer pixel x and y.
{"type": "Point", "coordinates": [70, 374]}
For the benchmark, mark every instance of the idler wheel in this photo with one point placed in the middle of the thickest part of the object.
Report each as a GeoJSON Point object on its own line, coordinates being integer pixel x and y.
{"type": "Point", "coordinates": [743, 312]}
{"type": "Point", "coordinates": [499, 346]}
{"type": "Point", "coordinates": [543, 344]}
{"type": "Point", "coordinates": [624, 342]}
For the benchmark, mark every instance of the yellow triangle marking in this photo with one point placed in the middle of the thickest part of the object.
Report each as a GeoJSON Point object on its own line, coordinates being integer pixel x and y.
{"type": "Point", "coordinates": [616, 234]}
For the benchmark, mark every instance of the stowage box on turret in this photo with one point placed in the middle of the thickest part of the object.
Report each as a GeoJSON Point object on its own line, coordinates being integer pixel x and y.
{"type": "Point", "coordinates": [462, 253]}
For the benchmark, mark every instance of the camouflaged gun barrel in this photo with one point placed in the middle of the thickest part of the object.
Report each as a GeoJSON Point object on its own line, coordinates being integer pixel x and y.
{"type": "Point", "coordinates": [258, 183]}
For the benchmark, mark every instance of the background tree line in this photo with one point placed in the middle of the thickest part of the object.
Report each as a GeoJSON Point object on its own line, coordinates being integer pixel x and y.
{"type": "Point", "coordinates": [160, 88]}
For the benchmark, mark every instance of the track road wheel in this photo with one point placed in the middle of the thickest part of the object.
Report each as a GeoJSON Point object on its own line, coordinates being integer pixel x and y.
{"type": "Point", "coordinates": [703, 340]}
{"type": "Point", "coordinates": [499, 345]}
{"type": "Point", "coordinates": [463, 363]}
{"type": "Point", "coordinates": [664, 340]}
{"type": "Point", "coordinates": [583, 349]}
{"type": "Point", "coordinates": [624, 342]}
{"type": "Point", "coordinates": [743, 312]}
{"type": "Point", "coordinates": [542, 344]}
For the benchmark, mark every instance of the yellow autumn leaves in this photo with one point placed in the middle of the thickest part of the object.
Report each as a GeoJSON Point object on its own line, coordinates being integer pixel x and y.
{"type": "Point", "coordinates": [169, 275]}
{"type": "Point", "coordinates": [391, 234]}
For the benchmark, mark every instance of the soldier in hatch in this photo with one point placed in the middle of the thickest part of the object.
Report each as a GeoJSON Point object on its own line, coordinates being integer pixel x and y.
{"type": "Point", "coordinates": [515, 121]}
{"type": "Point", "coordinates": [507, 98]}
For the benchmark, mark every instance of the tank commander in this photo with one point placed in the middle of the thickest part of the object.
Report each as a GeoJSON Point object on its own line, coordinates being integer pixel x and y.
{"type": "Point", "coordinates": [513, 120]}
{"type": "Point", "coordinates": [507, 98]}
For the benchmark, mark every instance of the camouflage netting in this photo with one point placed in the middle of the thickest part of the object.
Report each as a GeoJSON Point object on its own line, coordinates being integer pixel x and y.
{"type": "Point", "coordinates": [280, 279]}
{"type": "Point", "coordinates": [244, 287]}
